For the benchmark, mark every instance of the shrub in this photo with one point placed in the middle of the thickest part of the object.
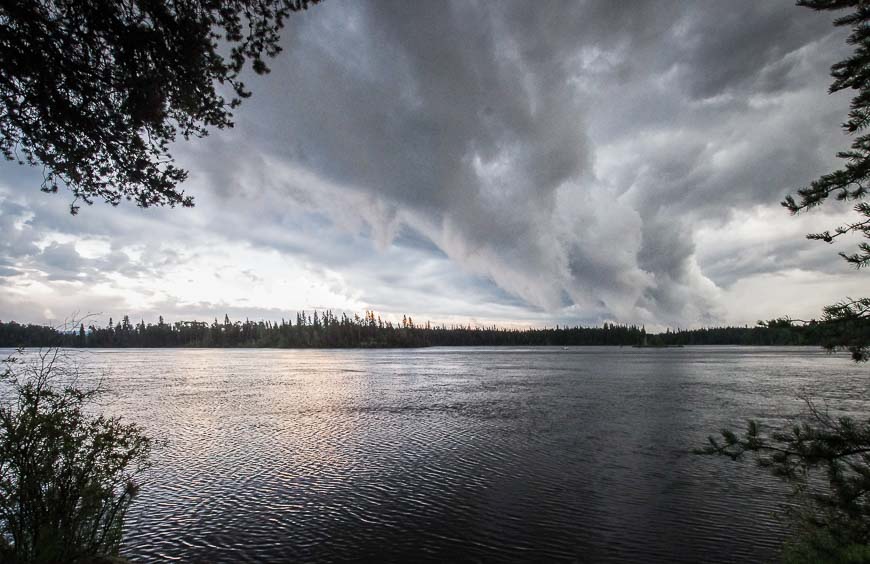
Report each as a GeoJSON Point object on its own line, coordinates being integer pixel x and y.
{"type": "Point", "coordinates": [67, 476]}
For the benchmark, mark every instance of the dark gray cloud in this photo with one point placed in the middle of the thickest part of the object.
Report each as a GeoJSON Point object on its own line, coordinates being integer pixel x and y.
{"type": "Point", "coordinates": [538, 159]}
{"type": "Point", "coordinates": [475, 120]}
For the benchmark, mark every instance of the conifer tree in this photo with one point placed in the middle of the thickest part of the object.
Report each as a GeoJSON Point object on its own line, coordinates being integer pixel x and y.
{"type": "Point", "coordinates": [849, 317]}
{"type": "Point", "coordinates": [824, 450]}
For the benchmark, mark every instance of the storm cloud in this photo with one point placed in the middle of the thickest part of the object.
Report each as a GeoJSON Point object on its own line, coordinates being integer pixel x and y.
{"type": "Point", "coordinates": [515, 161]}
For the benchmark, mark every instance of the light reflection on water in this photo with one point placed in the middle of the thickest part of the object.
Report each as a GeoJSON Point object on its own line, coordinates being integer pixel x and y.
{"type": "Point", "coordinates": [461, 454]}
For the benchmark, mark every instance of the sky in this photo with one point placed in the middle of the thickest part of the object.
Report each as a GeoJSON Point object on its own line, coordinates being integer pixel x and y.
{"type": "Point", "coordinates": [510, 163]}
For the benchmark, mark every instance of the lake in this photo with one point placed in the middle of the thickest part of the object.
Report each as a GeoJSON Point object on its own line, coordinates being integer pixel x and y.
{"type": "Point", "coordinates": [462, 454]}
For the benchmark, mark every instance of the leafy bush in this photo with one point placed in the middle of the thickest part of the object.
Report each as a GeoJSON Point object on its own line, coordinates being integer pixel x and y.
{"type": "Point", "coordinates": [67, 476]}
{"type": "Point", "coordinates": [819, 546]}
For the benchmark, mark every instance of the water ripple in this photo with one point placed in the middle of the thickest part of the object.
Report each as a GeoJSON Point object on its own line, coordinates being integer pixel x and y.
{"type": "Point", "coordinates": [459, 454]}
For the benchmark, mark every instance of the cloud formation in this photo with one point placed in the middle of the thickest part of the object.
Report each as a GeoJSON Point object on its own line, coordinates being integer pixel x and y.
{"type": "Point", "coordinates": [576, 161]}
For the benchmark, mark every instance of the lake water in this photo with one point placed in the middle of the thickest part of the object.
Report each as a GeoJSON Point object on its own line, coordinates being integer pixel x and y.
{"type": "Point", "coordinates": [471, 454]}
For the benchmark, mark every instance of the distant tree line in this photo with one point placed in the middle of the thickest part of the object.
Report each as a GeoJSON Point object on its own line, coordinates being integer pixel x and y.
{"type": "Point", "coordinates": [327, 330]}
{"type": "Point", "coordinates": [831, 334]}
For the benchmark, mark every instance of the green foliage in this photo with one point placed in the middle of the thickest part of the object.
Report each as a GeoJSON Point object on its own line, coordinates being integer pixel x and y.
{"type": "Point", "coordinates": [67, 476]}
{"type": "Point", "coordinates": [818, 546]}
{"type": "Point", "coordinates": [850, 329]}
{"type": "Point", "coordinates": [849, 318]}
{"type": "Point", "coordinates": [96, 91]}
{"type": "Point", "coordinates": [826, 460]}
{"type": "Point", "coordinates": [843, 326]}
{"type": "Point", "coordinates": [850, 182]}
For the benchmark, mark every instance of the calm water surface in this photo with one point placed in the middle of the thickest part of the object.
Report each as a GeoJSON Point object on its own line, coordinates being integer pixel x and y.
{"type": "Point", "coordinates": [482, 455]}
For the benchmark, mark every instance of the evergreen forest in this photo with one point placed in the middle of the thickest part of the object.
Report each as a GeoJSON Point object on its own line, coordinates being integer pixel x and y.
{"type": "Point", "coordinates": [324, 329]}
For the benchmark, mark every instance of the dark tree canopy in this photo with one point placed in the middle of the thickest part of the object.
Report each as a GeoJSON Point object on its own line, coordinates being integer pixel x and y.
{"type": "Point", "coordinates": [94, 91]}
{"type": "Point", "coordinates": [325, 329]}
